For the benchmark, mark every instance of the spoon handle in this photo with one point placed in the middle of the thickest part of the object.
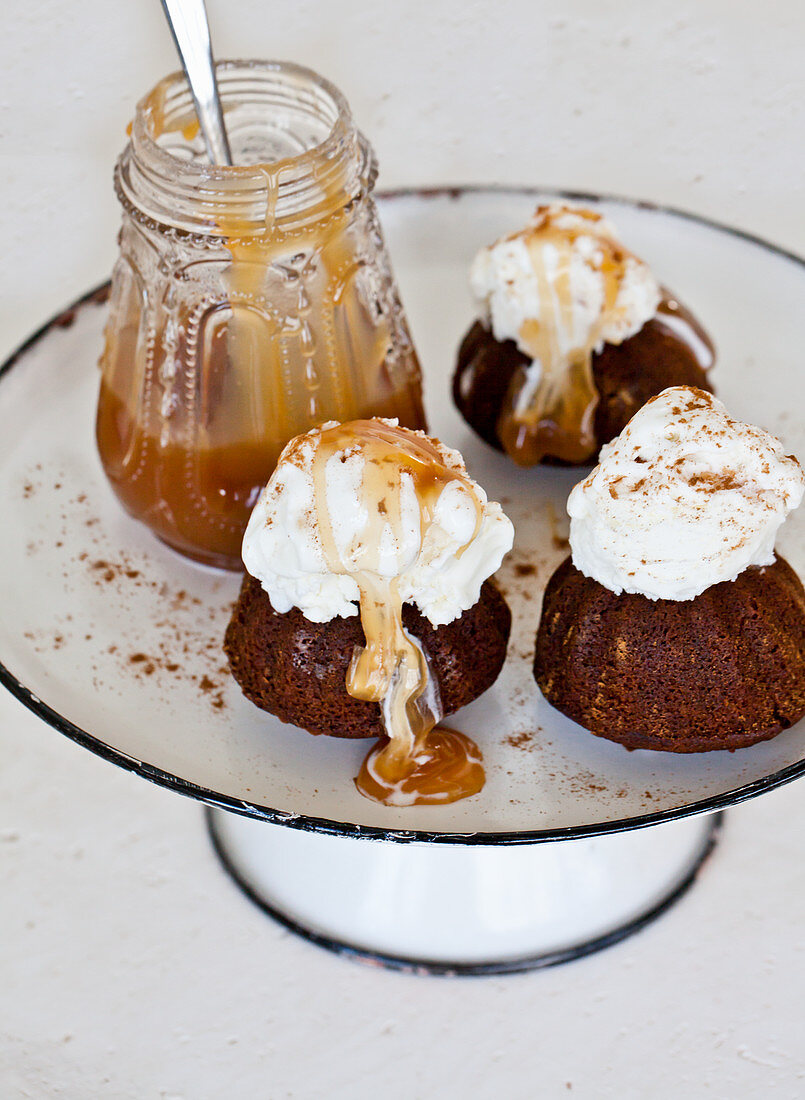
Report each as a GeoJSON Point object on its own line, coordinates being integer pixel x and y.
{"type": "Point", "coordinates": [191, 33]}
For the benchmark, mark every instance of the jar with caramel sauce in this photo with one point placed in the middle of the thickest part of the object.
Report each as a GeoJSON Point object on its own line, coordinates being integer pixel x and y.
{"type": "Point", "coordinates": [249, 303]}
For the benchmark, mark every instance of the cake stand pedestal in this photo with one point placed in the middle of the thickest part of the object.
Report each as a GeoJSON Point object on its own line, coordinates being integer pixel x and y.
{"type": "Point", "coordinates": [469, 909]}
{"type": "Point", "coordinates": [116, 642]}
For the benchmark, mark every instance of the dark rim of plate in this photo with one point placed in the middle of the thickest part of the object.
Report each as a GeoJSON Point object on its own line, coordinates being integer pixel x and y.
{"type": "Point", "coordinates": [345, 828]}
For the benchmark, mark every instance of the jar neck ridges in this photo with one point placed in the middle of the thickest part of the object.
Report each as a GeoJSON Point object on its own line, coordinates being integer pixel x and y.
{"type": "Point", "coordinates": [163, 180]}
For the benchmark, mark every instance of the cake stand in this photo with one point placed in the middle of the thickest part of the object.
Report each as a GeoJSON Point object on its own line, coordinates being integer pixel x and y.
{"type": "Point", "coordinates": [116, 642]}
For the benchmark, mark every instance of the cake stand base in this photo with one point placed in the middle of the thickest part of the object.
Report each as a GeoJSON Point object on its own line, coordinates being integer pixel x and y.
{"type": "Point", "coordinates": [463, 908]}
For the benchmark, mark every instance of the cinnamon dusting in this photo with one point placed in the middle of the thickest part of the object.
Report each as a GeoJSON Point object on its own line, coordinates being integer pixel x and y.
{"type": "Point", "coordinates": [180, 648]}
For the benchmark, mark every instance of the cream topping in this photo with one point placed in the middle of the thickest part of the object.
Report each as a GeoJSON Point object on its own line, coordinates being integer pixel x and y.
{"type": "Point", "coordinates": [370, 516]}
{"type": "Point", "coordinates": [439, 561]}
{"type": "Point", "coordinates": [560, 288]}
{"type": "Point", "coordinates": [553, 272]}
{"type": "Point", "coordinates": [686, 497]}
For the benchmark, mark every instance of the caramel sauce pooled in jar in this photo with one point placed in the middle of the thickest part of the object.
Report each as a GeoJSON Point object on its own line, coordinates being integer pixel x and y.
{"type": "Point", "coordinates": [556, 416]}
{"type": "Point", "coordinates": [421, 762]}
{"type": "Point", "coordinates": [249, 304]}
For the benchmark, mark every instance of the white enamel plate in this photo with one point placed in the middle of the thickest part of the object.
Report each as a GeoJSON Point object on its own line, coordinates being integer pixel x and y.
{"type": "Point", "coordinates": [116, 640]}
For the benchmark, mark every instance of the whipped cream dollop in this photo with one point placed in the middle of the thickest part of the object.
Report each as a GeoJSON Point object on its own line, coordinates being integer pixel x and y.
{"type": "Point", "coordinates": [318, 527]}
{"type": "Point", "coordinates": [566, 276]}
{"type": "Point", "coordinates": [684, 498]}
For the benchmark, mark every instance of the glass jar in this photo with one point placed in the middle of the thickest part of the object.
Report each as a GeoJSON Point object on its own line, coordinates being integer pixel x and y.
{"type": "Point", "coordinates": [249, 303]}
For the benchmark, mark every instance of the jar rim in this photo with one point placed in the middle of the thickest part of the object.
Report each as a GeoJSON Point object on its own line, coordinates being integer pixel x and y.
{"type": "Point", "coordinates": [188, 195]}
{"type": "Point", "coordinates": [210, 173]}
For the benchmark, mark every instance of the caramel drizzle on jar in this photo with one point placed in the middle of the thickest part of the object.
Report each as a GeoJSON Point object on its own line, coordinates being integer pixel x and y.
{"type": "Point", "coordinates": [338, 348]}
{"type": "Point", "coordinates": [419, 762]}
{"type": "Point", "coordinates": [186, 124]}
{"type": "Point", "coordinates": [254, 248]}
{"type": "Point", "coordinates": [556, 416]}
{"type": "Point", "coordinates": [199, 397]}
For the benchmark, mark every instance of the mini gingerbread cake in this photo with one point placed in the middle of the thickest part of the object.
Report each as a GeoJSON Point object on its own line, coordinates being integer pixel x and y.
{"type": "Point", "coordinates": [297, 669]}
{"type": "Point", "coordinates": [574, 336]}
{"type": "Point", "coordinates": [674, 625]}
{"type": "Point", "coordinates": [367, 610]}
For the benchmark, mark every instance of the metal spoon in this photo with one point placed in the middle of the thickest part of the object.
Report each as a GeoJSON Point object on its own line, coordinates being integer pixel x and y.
{"type": "Point", "coordinates": [187, 20]}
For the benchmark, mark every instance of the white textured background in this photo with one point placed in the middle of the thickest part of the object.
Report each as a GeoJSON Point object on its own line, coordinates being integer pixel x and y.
{"type": "Point", "coordinates": [129, 967]}
{"type": "Point", "coordinates": [698, 103]}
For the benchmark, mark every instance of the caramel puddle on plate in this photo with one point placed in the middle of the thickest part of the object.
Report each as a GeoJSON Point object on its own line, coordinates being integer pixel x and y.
{"type": "Point", "coordinates": [420, 762]}
{"type": "Point", "coordinates": [448, 767]}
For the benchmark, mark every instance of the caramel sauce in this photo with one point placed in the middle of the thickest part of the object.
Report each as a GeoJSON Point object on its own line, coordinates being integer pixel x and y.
{"type": "Point", "coordinates": [448, 767]}
{"type": "Point", "coordinates": [160, 122]}
{"type": "Point", "coordinates": [195, 409]}
{"type": "Point", "coordinates": [420, 762]}
{"type": "Point", "coordinates": [687, 328]}
{"type": "Point", "coordinates": [556, 416]}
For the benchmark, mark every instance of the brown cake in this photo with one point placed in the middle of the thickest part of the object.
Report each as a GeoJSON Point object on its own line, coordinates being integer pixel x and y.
{"type": "Point", "coordinates": [625, 376]}
{"type": "Point", "coordinates": [574, 335]}
{"type": "Point", "coordinates": [674, 625]}
{"type": "Point", "coordinates": [297, 669]}
{"type": "Point", "coordinates": [721, 671]}
{"type": "Point", "coordinates": [368, 609]}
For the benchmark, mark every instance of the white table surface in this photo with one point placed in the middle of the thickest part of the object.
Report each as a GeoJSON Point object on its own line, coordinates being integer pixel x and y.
{"type": "Point", "coordinates": [130, 966]}
{"type": "Point", "coordinates": [133, 967]}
